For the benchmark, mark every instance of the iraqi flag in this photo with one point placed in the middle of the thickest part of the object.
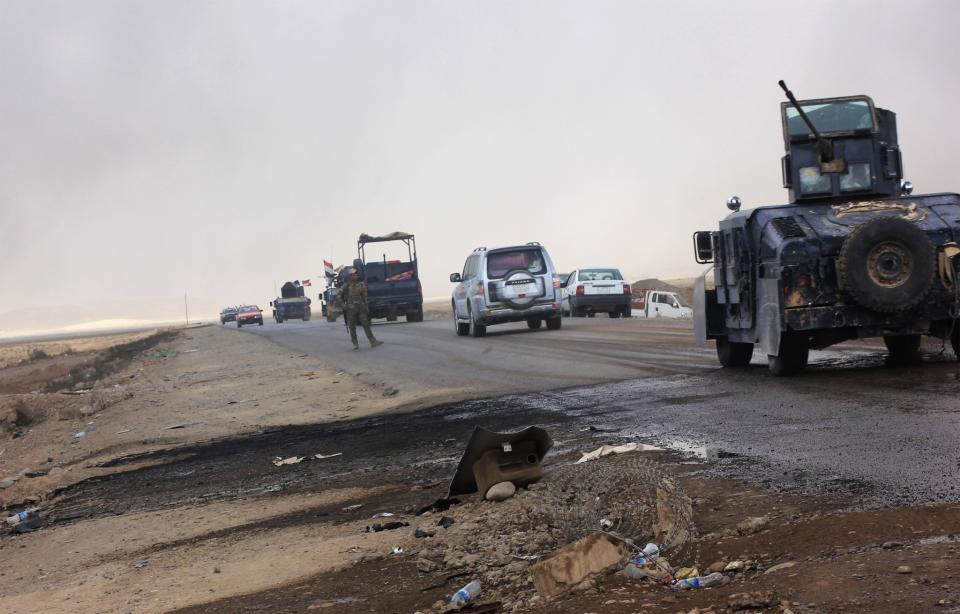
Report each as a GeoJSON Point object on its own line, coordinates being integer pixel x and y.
{"type": "Point", "coordinates": [305, 282]}
{"type": "Point", "coordinates": [328, 268]}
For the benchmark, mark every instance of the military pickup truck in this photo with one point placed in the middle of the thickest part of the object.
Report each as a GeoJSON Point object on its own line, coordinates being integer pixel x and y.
{"type": "Point", "coordinates": [393, 285]}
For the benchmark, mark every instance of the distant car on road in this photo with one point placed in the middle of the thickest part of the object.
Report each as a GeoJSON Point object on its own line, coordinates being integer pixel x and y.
{"type": "Point", "coordinates": [229, 314]}
{"type": "Point", "coordinates": [507, 284]}
{"type": "Point", "coordinates": [592, 291]}
{"type": "Point", "coordinates": [249, 314]}
{"type": "Point", "coordinates": [662, 304]}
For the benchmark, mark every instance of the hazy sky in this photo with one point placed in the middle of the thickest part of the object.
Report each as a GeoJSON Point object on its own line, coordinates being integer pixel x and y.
{"type": "Point", "coordinates": [155, 147]}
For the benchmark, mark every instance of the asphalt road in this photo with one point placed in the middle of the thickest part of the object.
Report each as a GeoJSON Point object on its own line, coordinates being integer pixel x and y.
{"type": "Point", "coordinates": [850, 423]}
{"type": "Point", "coordinates": [511, 358]}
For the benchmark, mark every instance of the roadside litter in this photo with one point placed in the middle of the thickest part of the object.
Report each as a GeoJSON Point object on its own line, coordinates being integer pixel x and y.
{"type": "Point", "coordinates": [466, 594]}
{"type": "Point", "coordinates": [397, 550]}
{"type": "Point", "coordinates": [279, 461]}
{"type": "Point", "coordinates": [387, 526]}
{"type": "Point", "coordinates": [382, 515]}
{"type": "Point", "coordinates": [350, 508]}
{"type": "Point", "coordinates": [698, 582]}
{"type": "Point", "coordinates": [606, 450]}
{"type": "Point", "coordinates": [25, 521]}
{"type": "Point", "coordinates": [91, 427]}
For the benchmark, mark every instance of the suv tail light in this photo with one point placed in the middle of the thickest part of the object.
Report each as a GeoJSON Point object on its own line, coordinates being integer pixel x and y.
{"type": "Point", "coordinates": [579, 290]}
{"type": "Point", "coordinates": [626, 288]}
{"type": "Point", "coordinates": [479, 290]}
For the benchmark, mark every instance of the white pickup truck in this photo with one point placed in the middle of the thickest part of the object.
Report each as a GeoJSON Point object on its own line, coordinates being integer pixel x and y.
{"type": "Point", "coordinates": [660, 304]}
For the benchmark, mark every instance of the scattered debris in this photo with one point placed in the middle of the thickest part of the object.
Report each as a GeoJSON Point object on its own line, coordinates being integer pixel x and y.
{"type": "Point", "coordinates": [141, 564]}
{"type": "Point", "coordinates": [81, 391]}
{"type": "Point", "coordinates": [180, 425]}
{"type": "Point", "coordinates": [122, 431]}
{"type": "Point", "coordinates": [445, 522]}
{"type": "Point", "coordinates": [466, 594]}
{"type": "Point", "coordinates": [291, 460]}
{"type": "Point", "coordinates": [382, 515]}
{"type": "Point", "coordinates": [353, 507]}
{"type": "Point", "coordinates": [241, 401]}
{"type": "Point", "coordinates": [575, 563]}
{"type": "Point", "coordinates": [397, 550]}
{"type": "Point", "coordinates": [387, 526]}
{"type": "Point", "coordinates": [606, 450]}
{"type": "Point", "coordinates": [780, 566]}
{"type": "Point", "coordinates": [735, 566]}
{"type": "Point", "coordinates": [323, 456]}
{"type": "Point", "coordinates": [698, 582]}
{"type": "Point", "coordinates": [440, 505]}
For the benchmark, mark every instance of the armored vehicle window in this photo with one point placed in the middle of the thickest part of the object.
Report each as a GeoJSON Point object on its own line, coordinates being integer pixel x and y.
{"type": "Point", "coordinates": [812, 181]}
{"type": "Point", "coordinates": [857, 177]}
{"type": "Point", "coordinates": [501, 263]}
{"type": "Point", "coordinates": [830, 117]}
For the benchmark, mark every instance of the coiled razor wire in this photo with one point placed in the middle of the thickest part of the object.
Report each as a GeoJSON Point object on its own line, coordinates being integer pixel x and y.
{"type": "Point", "coordinates": [627, 496]}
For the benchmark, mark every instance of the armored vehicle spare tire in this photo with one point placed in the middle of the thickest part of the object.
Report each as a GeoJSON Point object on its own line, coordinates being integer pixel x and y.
{"type": "Point", "coordinates": [887, 265]}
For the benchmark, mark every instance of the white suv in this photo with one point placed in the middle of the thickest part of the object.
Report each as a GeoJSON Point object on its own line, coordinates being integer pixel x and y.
{"type": "Point", "coordinates": [506, 284]}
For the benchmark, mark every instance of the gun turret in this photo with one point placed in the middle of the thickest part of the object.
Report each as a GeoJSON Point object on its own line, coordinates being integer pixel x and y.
{"type": "Point", "coordinates": [839, 149]}
{"type": "Point", "coordinates": [824, 146]}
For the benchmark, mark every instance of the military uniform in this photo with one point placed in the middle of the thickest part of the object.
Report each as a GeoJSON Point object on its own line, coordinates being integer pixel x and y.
{"type": "Point", "coordinates": [353, 299]}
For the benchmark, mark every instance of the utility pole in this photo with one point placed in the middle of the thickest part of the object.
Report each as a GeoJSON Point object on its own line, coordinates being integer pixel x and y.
{"type": "Point", "coordinates": [186, 312]}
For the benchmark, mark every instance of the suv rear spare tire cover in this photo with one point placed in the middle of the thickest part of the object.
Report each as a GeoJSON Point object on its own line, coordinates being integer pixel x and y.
{"type": "Point", "coordinates": [523, 278]}
{"type": "Point", "coordinates": [887, 265]}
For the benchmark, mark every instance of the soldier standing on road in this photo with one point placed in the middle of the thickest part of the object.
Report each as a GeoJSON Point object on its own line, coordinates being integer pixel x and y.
{"type": "Point", "coordinates": [353, 301]}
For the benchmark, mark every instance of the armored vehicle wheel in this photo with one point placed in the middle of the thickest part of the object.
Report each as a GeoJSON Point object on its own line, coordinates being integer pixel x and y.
{"type": "Point", "coordinates": [792, 358]}
{"type": "Point", "coordinates": [554, 322]}
{"type": "Point", "coordinates": [903, 348]}
{"type": "Point", "coordinates": [887, 265]}
{"type": "Point", "coordinates": [534, 323]}
{"type": "Point", "coordinates": [732, 354]}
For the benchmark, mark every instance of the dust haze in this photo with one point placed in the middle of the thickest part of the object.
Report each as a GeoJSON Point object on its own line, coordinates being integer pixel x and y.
{"type": "Point", "coordinates": [153, 149]}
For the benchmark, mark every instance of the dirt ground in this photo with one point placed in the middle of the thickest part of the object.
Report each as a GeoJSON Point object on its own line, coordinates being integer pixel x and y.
{"type": "Point", "coordinates": [171, 501]}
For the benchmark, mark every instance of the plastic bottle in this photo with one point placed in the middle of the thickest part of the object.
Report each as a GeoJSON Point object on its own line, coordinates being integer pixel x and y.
{"type": "Point", "coordinates": [649, 554]}
{"type": "Point", "coordinates": [698, 581]}
{"type": "Point", "coordinates": [466, 594]}
{"type": "Point", "coordinates": [21, 516]}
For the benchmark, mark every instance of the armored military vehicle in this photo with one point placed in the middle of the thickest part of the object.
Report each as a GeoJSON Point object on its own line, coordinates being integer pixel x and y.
{"type": "Point", "coordinates": [853, 255]}
{"type": "Point", "coordinates": [291, 303]}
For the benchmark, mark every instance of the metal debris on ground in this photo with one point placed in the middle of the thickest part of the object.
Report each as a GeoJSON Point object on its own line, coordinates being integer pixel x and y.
{"type": "Point", "coordinates": [492, 457]}
{"type": "Point", "coordinates": [323, 456]}
{"type": "Point", "coordinates": [291, 460]}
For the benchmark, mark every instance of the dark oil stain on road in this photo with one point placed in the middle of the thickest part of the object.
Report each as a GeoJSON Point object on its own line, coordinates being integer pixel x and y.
{"type": "Point", "coordinates": [832, 429]}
